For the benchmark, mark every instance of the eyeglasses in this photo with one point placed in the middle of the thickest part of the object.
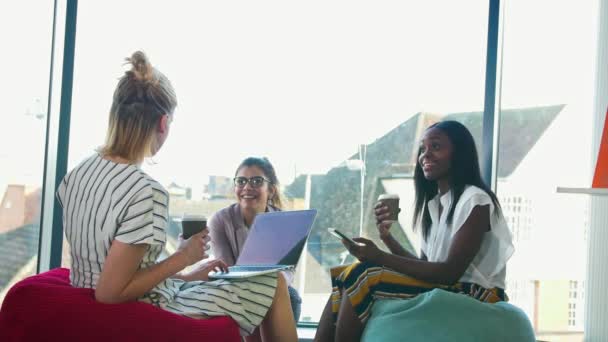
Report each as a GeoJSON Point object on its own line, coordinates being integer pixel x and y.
{"type": "Point", "coordinates": [255, 182]}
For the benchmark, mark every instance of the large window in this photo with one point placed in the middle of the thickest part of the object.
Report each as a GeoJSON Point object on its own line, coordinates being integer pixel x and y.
{"type": "Point", "coordinates": [545, 142]}
{"type": "Point", "coordinates": [26, 51]}
{"type": "Point", "coordinates": [308, 85]}
{"type": "Point", "coordinates": [336, 94]}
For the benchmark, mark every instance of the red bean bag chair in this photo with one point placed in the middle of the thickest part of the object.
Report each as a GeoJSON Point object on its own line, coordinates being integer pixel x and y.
{"type": "Point", "coordinates": [45, 307]}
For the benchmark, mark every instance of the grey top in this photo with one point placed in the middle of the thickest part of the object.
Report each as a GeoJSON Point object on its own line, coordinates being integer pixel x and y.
{"type": "Point", "coordinates": [229, 232]}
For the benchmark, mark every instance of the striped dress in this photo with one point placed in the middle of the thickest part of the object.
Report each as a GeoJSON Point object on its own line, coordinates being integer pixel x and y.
{"type": "Point", "coordinates": [105, 201]}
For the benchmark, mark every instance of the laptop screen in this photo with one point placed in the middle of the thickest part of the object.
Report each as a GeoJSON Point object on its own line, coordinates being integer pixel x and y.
{"type": "Point", "coordinates": [277, 238]}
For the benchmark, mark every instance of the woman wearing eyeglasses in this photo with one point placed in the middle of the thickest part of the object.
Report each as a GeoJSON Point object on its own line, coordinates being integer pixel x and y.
{"type": "Point", "coordinates": [256, 188]}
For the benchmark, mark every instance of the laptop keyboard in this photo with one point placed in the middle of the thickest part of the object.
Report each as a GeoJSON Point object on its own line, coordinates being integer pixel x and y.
{"type": "Point", "coordinates": [252, 268]}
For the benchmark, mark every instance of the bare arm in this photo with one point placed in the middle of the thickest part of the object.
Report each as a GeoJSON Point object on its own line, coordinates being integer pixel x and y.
{"type": "Point", "coordinates": [121, 280]}
{"type": "Point", "coordinates": [464, 247]}
{"type": "Point", "coordinates": [395, 247]}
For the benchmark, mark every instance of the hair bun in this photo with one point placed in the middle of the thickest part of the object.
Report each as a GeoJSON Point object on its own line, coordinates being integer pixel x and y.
{"type": "Point", "coordinates": [141, 68]}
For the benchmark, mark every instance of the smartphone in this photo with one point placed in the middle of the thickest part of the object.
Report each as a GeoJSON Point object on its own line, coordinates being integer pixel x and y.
{"type": "Point", "coordinates": [341, 236]}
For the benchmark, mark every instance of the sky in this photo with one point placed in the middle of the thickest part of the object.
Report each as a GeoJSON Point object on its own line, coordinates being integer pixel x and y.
{"type": "Point", "coordinates": [303, 83]}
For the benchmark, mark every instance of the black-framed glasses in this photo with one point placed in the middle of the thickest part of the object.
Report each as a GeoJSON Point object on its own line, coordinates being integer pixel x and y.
{"type": "Point", "coordinates": [255, 182]}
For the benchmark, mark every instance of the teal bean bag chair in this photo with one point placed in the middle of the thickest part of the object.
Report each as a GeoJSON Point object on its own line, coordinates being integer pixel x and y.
{"type": "Point", "coordinates": [438, 316]}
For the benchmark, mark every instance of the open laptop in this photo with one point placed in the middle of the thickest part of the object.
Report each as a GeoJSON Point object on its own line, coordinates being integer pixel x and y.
{"type": "Point", "coordinates": [275, 242]}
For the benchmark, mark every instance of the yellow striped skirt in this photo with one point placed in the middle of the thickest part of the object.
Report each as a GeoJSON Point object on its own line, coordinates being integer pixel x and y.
{"type": "Point", "coordinates": [363, 283]}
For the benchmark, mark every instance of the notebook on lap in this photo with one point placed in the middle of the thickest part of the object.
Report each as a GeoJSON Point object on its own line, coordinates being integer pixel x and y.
{"type": "Point", "coordinates": [275, 242]}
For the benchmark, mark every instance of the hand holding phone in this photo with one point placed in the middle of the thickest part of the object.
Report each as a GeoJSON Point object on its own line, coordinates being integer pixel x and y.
{"type": "Point", "coordinates": [343, 237]}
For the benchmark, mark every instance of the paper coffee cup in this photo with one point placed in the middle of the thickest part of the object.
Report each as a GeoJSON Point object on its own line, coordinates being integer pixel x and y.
{"type": "Point", "coordinates": [392, 202]}
{"type": "Point", "coordinates": [193, 224]}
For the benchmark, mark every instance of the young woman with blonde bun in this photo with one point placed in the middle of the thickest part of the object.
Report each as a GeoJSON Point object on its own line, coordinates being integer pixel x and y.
{"type": "Point", "coordinates": [115, 220]}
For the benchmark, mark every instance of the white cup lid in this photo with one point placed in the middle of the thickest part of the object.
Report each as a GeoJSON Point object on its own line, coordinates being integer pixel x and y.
{"type": "Point", "coordinates": [388, 196]}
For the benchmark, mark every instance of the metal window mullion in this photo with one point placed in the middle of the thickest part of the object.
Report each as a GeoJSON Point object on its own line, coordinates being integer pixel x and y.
{"type": "Point", "coordinates": [58, 132]}
{"type": "Point", "coordinates": [491, 112]}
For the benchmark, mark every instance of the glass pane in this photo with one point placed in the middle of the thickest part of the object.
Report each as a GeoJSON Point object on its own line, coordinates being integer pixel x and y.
{"type": "Point", "coordinates": [545, 142]}
{"type": "Point", "coordinates": [304, 84]}
{"type": "Point", "coordinates": [26, 41]}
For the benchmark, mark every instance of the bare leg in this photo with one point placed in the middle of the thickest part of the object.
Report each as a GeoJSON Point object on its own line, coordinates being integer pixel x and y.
{"type": "Point", "coordinates": [349, 327]}
{"type": "Point", "coordinates": [326, 330]}
{"type": "Point", "coordinates": [278, 326]}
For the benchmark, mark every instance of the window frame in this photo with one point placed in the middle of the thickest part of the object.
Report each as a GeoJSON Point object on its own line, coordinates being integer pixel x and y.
{"type": "Point", "coordinates": [59, 109]}
{"type": "Point", "coordinates": [57, 132]}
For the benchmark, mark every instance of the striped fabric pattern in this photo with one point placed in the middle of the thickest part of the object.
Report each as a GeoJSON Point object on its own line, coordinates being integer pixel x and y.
{"type": "Point", "coordinates": [245, 300]}
{"type": "Point", "coordinates": [364, 283]}
{"type": "Point", "coordinates": [104, 201]}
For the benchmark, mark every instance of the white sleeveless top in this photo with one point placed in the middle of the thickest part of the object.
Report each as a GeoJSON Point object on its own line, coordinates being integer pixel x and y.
{"type": "Point", "coordinates": [488, 268]}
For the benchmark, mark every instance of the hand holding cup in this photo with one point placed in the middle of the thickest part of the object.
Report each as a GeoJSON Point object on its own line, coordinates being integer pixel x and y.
{"type": "Point", "coordinates": [386, 211]}
{"type": "Point", "coordinates": [194, 240]}
{"type": "Point", "coordinates": [195, 248]}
